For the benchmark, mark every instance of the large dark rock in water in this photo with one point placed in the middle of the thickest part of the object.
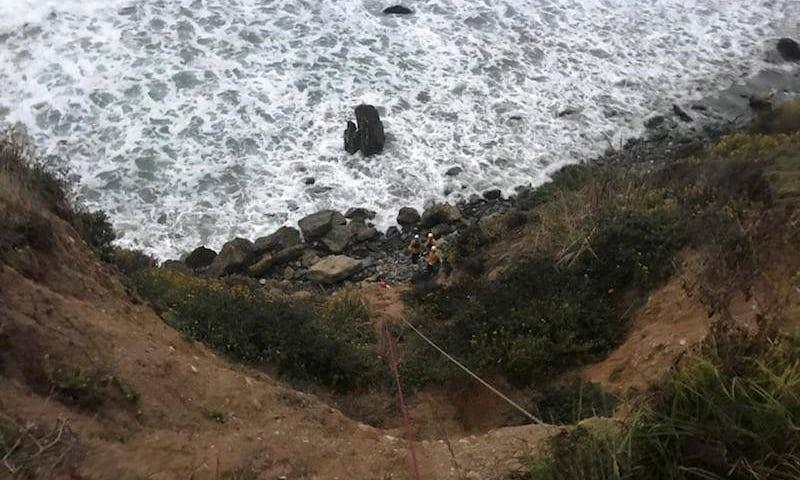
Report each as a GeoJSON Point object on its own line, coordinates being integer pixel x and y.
{"type": "Point", "coordinates": [200, 257]}
{"type": "Point", "coordinates": [398, 10]}
{"type": "Point", "coordinates": [789, 49]}
{"type": "Point", "coordinates": [352, 140]}
{"type": "Point", "coordinates": [316, 225]}
{"type": "Point", "coordinates": [370, 129]}
{"type": "Point", "coordinates": [235, 256]}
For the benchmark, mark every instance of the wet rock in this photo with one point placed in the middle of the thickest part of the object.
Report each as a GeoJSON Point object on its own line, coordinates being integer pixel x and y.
{"type": "Point", "coordinates": [789, 49]}
{"type": "Point", "coordinates": [397, 10]}
{"type": "Point", "coordinates": [408, 217]}
{"type": "Point", "coordinates": [494, 194]}
{"type": "Point", "coordinates": [654, 122]}
{"type": "Point", "coordinates": [200, 257]}
{"type": "Point", "coordinates": [284, 237]}
{"type": "Point", "coordinates": [234, 257]}
{"type": "Point", "coordinates": [362, 213]}
{"type": "Point", "coordinates": [681, 113]}
{"type": "Point", "coordinates": [309, 180]}
{"type": "Point", "coordinates": [370, 129]}
{"type": "Point", "coordinates": [289, 254]}
{"type": "Point", "coordinates": [352, 141]}
{"type": "Point", "coordinates": [440, 213]}
{"type": "Point", "coordinates": [337, 239]}
{"type": "Point", "coordinates": [334, 269]}
{"type": "Point", "coordinates": [361, 232]}
{"type": "Point", "coordinates": [316, 225]}
{"type": "Point", "coordinates": [567, 112]}
{"type": "Point", "coordinates": [454, 171]}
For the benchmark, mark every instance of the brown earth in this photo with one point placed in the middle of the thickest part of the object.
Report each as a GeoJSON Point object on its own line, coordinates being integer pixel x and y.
{"type": "Point", "coordinates": [198, 416]}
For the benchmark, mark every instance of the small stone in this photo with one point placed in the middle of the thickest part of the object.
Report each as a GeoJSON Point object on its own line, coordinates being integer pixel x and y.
{"type": "Point", "coordinates": [397, 10]}
{"type": "Point", "coordinates": [454, 171]}
{"type": "Point", "coordinates": [309, 180]}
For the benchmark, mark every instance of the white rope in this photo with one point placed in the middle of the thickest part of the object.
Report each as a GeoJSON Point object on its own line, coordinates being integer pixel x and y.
{"type": "Point", "coordinates": [476, 377]}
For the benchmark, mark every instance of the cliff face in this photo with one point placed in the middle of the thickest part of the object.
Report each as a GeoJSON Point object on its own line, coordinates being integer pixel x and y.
{"type": "Point", "coordinates": [94, 385]}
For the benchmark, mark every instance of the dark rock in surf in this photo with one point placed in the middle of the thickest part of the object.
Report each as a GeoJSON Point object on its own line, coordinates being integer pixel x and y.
{"type": "Point", "coordinates": [397, 10]}
{"type": "Point", "coordinates": [789, 49]}
{"type": "Point", "coordinates": [352, 141]}
{"type": "Point", "coordinates": [440, 213]}
{"type": "Point", "coordinates": [407, 217]}
{"type": "Point", "coordinates": [370, 130]}
{"type": "Point", "coordinates": [654, 122]}
{"type": "Point", "coordinates": [454, 171]}
{"type": "Point", "coordinates": [494, 194]}
{"type": "Point", "coordinates": [316, 225]}
{"type": "Point", "coordinates": [681, 113]}
{"type": "Point", "coordinates": [759, 102]}
{"type": "Point", "coordinates": [200, 257]}
{"type": "Point", "coordinates": [360, 213]}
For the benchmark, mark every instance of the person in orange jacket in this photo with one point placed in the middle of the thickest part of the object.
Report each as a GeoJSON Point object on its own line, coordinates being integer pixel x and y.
{"type": "Point", "coordinates": [415, 248]}
{"type": "Point", "coordinates": [433, 260]}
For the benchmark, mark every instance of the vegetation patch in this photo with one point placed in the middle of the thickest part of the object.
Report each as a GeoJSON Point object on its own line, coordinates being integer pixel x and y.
{"type": "Point", "coordinates": [731, 413]}
{"type": "Point", "coordinates": [331, 343]}
{"type": "Point", "coordinates": [90, 389]}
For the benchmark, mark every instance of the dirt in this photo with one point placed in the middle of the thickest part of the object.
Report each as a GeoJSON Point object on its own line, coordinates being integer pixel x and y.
{"type": "Point", "coordinates": [198, 416]}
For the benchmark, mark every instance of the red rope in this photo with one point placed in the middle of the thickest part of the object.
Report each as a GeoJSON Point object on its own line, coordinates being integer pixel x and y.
{"type": "Point", "coordinates": [392, 358]}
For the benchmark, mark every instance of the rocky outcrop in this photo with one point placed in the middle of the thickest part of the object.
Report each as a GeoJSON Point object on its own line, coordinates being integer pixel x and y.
{"type": "Point", "coordinates": [333, 269]}
{"type": "Point", "coordinates": [316, 225]}
{"type": "Point", "coordinates": [789, 49]}
{"type": "Point", "coordinates": [284, 237]}
{"type": "Point", "coordinates": [681, 113]}
{"type": "Point", "coordinates": [441, 213]}
{"type": "Point", "coordinates": [370, 130]}
{"type": "Point", "coordinates": [234, 257]}
{"type": "Point", "coordinates": [337, 239]}
{"type": "Point", "coordinates": [200, 257]}
{"type": "Point", "coordinates": [397, 10]}
{"type": "Point", "coordinates": [270, 261]}
{"type": "Point", "coordinates": [360, 213]}
{"type": "Point", "coordinates": [408, 217]}
{"type": "Point", "coordinates": [352, 141]}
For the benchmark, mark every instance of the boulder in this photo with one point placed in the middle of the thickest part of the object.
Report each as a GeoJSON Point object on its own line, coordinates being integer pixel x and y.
{"type": "Point", "coordinates": [397, 10]}
{"type": "Point", "coordinates": [408, 217]}
{"type": "Point", "coordinates": [337, 239]}
{"type": "Point", "coordinates": [316, 225]}
{"type": "Point", "coordinates": [361, 232]}
{"type": "Point", "coordinates": [789, 49]}
{"type": "Point", "coordinates": [352, 141]}
{"type": "Point", "coordinates": [654, 122]}
{"type": "Point", "coordinates": [370, 129]}
{"type": "Point", "coordinates": [454, 171]}
{"type": "Point", "coordinates": [268, 261]}
{"type": "Point", "coordinates": [284, 237]}
{"type": "Point", "coordinates": [440, 213]}
{"type": "Point", "coordinates": [442, 229]}
{"type": "Point", "coordinates": [494, 194]}
{"type": "Point", "coordinates": [200, 257]}
{"type": "Point", "coordinates": [334, 269]}
{"type": "Point", "coordinates": [362, 213]}
{"type": "Point", "coordinates": [234, 257]}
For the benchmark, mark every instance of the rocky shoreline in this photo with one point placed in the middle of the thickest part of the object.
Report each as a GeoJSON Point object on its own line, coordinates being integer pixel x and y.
{"type": "Point", "coordinates": [331, 248]}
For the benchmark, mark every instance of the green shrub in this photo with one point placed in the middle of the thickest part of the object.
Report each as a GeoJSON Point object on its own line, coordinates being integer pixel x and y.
{"type": "Point", "coordinates": [97, 231]}
{"type": "Point", "coordinates": [333, 346]}
{"type": "Point", "coordinates": [545, 315]}
{"type": "Point", "coordinates": [90, 389]}
{"type": "Point", "coordinates": [730, 414]}
{"type": "Point", "coordinates": [572, 400]}
{"type": "Point", "coordinates": [569, 178]}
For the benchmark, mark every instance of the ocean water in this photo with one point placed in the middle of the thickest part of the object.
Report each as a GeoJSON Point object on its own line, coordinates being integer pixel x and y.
{"type": "Point", "coordinates": [194, 121]}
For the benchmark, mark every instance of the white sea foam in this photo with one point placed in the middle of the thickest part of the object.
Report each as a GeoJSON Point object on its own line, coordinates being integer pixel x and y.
{"type": "Point", "coordinates": [191, 121]}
